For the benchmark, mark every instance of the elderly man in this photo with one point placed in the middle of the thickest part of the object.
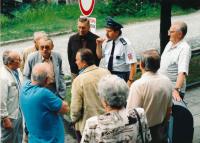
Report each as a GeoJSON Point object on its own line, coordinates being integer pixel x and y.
{"type": "Point", "coordinates": [153, 92]}
{"type": "Point", "coordinates": [176, 58]}
{"type": "Point", "coordinates": [83, 39]}
{"type": "Point", "coordinates": [45, 55]}
{"type": "Point", "coordinates": [85, 102]}
{"type": "Point", "coordinates": [10, 82]}
{"type": "Point", "coordinates": [44, 122]}
{"type": "Point", "coordinates": [117, 51]}
{"type": "Point", "coordinates": [36, 37]}
{"type": "Point", "coordinates": [116, 125]}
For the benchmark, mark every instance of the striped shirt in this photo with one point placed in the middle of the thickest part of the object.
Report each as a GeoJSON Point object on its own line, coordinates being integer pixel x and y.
{"type": "Point", "coordinates": [174, 60]}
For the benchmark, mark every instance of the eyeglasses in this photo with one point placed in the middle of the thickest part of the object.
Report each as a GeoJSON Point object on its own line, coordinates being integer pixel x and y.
{"type": "Point", "coordinates": [45, 47]}
{"type": "Point", "coordinates": [173, 31]}
{"type": "Point", "coordinates": [17, 60]}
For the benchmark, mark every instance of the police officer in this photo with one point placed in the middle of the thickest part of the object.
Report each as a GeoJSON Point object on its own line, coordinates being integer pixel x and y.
{"type": "Point", "coordinates": [116, 52]}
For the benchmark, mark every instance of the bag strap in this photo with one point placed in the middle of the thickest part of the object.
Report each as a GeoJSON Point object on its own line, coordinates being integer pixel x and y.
{"type": "Point", "coordinates": [140, 125]}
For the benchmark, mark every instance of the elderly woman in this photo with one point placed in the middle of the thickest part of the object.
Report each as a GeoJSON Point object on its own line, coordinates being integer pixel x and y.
{"type": "Point", "coordinates": [116, 125]}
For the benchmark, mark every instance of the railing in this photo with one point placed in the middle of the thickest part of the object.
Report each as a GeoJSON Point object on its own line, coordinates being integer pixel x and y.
{"type": "Point", "coordinates": [195, 53]}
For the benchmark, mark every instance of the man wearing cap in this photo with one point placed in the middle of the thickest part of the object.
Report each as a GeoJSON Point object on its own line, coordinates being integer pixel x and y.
{"type": "Point", "coordinates": [82, 39]}
{"type": "Point", "coordinates": [116, 52]}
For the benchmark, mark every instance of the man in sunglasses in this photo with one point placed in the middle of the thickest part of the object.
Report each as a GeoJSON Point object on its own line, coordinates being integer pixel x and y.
{"type": "Point", "coordinates": [36, 37]}
{"type": "Point", "coordinates": [53, 59]}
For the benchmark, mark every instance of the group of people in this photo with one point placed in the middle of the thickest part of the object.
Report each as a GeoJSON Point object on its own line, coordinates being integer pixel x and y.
{"type": "Point", "coordinates": [107, 105]}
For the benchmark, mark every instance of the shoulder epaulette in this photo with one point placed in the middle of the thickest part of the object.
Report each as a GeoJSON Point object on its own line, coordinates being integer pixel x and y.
{"type": "Point", "coordinates": [123, 41]}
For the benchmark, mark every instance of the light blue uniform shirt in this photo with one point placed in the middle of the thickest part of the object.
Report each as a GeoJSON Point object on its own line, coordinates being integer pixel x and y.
{"type": "Point", "coordinates": [124, 54]}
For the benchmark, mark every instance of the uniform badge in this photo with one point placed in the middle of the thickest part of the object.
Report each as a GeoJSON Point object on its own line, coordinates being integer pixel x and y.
{"type": "Point", "coordinates": [123, 41]}
{"type": "Point", "coordinates": [130, 57]}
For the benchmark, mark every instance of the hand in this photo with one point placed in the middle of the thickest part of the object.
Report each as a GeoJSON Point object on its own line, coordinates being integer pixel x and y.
{"type": "Point", "coordinates": [129, 83]}
{"type": "Point", "coordinates": [99, 41]}
{"type": "Point", "coordinates": [176, 95]}
{"type": "Point", "coordinates": [7, 123]}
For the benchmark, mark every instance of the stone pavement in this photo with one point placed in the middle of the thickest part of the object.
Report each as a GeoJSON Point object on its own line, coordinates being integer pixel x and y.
{"type": "Point", "coordinates": [143, 36]}
{"type": "Point", "coordinates": [192, 99]}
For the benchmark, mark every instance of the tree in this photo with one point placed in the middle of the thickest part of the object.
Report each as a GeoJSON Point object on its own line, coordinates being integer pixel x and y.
{"type": "Point", "coordinates": [165, 23]}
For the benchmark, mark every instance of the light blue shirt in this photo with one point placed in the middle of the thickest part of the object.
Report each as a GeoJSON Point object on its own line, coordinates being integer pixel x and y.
{"type": "Point", "coordinates": [40, 109]}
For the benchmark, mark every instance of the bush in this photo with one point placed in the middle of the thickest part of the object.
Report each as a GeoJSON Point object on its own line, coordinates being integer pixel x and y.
{"type": "Point", "coordinates": [122, 7]}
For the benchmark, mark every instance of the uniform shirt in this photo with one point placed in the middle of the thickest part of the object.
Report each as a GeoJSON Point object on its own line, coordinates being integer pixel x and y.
{"type": "Point", "coordinates": [123, 55]}
{"type": "Point", "coordinates": [153, 92]}
{"type": "Point", "coordinates": [40, 108]}
{"type": "Point", "coordinates": [116, 127]}
{"type": "Point", "coordinates": [175, 59]}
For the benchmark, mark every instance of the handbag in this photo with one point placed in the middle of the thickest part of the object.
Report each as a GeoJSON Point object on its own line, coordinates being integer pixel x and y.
{"type": "Point", "coordinates": [140, 127]}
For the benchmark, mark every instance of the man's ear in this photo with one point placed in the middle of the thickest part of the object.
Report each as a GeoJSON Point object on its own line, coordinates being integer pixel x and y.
{"type": "Point", "coordinates": [142, 65]}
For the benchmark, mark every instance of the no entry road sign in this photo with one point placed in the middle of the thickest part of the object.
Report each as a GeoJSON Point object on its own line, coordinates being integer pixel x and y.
{"type": "Point", "coordinates": [86, 6]}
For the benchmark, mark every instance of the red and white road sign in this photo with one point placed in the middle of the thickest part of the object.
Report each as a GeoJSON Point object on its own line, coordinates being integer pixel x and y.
{"type": "Point", "coordinates": [86, 6]}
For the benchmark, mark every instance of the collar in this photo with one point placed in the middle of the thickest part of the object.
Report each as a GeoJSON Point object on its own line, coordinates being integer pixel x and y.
{"type": "Point", "coordinates": [89, 68]}
{"type": "Point", "coordinates": [82, 69]}
{"type": "Point", "coordinates": [50, 59]}
{"type": "Point", "coordinates": [87, 36]}
{"type": "Point", "coordinates": [176, 45]}
{"type": "Point", "coordinates": [116, 40]}
{"type": "Point", "coordinates": [148, 73]}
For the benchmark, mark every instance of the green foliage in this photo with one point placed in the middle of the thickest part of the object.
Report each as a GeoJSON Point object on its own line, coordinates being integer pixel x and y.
{"type": "Point", "coordinates": [122, 7]}
{"type": "Point", "coordinates": [58, 18]}
{"type": "Point", "coordinates": [47, 17]}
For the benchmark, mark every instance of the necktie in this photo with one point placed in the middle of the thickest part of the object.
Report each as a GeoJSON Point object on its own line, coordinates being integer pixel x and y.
{"type": "Point", "coordinates": [110, 62]}
{"type": "Point", "coordinates": [16, 74]}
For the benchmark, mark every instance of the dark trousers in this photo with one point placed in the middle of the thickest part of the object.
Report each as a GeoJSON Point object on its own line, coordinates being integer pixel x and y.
{"type": "Point", "coordinates": [123, 75]}
{"type": "Point", "coordinates": [159, 133]}
{"type": "Point", "coordinates": [78, 136]}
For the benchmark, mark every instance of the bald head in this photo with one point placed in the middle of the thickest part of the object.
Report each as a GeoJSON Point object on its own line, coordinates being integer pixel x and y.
{"type": "Point", "coordinates": [40, 73]}
{"type": "Point", "coordinates": [38, 35]}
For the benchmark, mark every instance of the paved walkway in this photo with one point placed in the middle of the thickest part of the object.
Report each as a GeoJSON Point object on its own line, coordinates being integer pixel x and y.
{"type": "Point", "coordinates": [143, 35]}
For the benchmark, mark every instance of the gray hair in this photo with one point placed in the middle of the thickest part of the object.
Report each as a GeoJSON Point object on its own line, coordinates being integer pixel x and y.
{"type": "Point", "coordinates": [39, 73]}
{"type": "Point", "coordinates": [6, 57]}
{"type": "Point", "coordinates": [182, 27]}
{"type": "Point", "coordinates": [150, 60]}
{"type": "Point", "coordinates": [114, 91]}
{"type": "Point", "coordinates": [84, 19]}
{"type": "Point", "coordinates": [38, 35]}
{"type": "Point", "coordinates": [9, 57]}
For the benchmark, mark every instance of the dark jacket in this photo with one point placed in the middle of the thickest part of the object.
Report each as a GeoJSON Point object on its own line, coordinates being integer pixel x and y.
{"type": "Point", "coordinates": [75, 43]}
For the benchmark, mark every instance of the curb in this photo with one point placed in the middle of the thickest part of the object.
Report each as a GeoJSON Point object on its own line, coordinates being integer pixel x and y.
{"type": "Point", "coordinates": [31, 38]}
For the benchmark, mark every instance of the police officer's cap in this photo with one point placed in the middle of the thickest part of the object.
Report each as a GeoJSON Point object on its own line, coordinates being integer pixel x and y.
{"type": "Point", "coordinates": [110, 23]}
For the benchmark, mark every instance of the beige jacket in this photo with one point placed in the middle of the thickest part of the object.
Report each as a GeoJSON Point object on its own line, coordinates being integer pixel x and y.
{"type": "Point", "coordinates": [9, 93]}
{"type": "Point", "coordinates": [25, 54]}
{"type": "Point", "coordinates": [85, 102]}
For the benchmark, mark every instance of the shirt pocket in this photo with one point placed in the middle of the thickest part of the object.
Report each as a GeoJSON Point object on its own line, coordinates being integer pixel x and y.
{"type": "Point", "coordinates": [12, 91]}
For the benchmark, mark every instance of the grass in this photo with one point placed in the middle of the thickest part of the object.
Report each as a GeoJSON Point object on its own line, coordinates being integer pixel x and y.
{"type": "Point", "coordinates": [58, 18]}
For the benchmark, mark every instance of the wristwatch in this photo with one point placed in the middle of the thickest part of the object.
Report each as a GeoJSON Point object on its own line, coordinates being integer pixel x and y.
{"type": "Point", "coordinates": [177, 89]}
